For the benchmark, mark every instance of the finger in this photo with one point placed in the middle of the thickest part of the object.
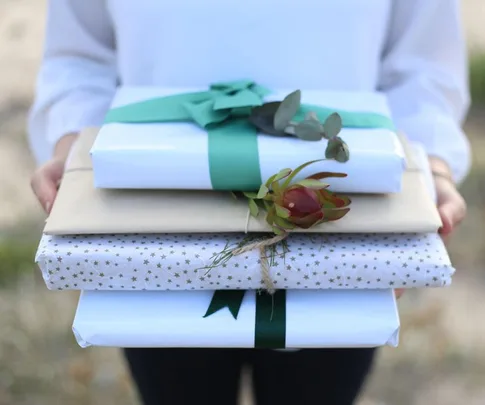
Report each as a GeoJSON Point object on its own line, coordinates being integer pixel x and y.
{"type": "Point", "coordinates": [452, 213]}
{"type": "Point", "coordinates": [446, 219]}
{"type": "Point", "coordinates": [45, 189]}
{"type": "Point", "coordinates": [399, 292]}
{"type": "Point", "coordinates": [445, 238]}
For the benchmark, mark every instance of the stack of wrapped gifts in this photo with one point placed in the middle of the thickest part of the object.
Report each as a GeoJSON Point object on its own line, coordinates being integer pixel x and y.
{"type": "Point", "coordinates": [237, 216]}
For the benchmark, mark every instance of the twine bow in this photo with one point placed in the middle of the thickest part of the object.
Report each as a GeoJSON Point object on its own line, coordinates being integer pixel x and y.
{"type": "Point", "coordinates": [261, 246]}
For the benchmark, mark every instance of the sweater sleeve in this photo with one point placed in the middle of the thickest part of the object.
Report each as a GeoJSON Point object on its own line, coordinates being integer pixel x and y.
{"type": "Point", "coordinates": [77, 77]}
{"type": "Point", "coordinates": [424, 74]}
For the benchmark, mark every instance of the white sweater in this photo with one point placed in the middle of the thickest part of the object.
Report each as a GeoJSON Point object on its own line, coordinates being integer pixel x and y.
{"type": "Point", "coordinates": [413, 50]}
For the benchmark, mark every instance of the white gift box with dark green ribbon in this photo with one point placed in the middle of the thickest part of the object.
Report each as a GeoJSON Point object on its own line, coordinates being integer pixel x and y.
{"type": "Point", "coordinates": [238, 319]}
{"type": "Point", "coordinates": [149, 143]}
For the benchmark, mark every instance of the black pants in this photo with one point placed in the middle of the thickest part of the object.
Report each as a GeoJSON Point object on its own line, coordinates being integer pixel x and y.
{"type": "Point", "coordinates": [211, 376]}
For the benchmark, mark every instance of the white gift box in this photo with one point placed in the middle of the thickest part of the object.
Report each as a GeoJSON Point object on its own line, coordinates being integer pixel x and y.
{"type": "Point", "coordinates": [179, 262]}
{"type": "Point", "coordinates": [313, 319]}
{"type": "Point", "coordinates": [176, 155]}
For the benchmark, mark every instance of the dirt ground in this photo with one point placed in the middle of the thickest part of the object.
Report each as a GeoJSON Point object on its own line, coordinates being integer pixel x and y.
{"type": "Point", "coordinates": [441, 358]}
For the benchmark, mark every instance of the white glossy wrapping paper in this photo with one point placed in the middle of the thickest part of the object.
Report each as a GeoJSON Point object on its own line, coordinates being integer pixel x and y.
{"type": "Point", "coordinates": [175, 155]}
{"type": "Point", "coordinates": [314, 319]}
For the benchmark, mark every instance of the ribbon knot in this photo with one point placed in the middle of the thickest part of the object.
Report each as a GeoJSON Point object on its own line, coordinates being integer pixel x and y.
{"type": "Point", "coordinates": [226, 100]}
{"type": "Point", "coordinates": [222, 111]}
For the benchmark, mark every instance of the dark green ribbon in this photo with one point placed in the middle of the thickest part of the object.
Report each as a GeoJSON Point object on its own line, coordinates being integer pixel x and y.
{"type": "Point", "coordinates": [232, 141]}
{"type": "Point", "coordinates": [270, 317]}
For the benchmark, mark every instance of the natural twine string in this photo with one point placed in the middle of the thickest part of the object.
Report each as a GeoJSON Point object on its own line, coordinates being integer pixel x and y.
{"type": "Point", "coordinates": [261, 246]}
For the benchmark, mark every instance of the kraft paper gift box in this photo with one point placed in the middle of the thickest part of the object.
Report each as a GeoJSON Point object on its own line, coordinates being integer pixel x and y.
{"type": "Point", "coordinates": [183, 262]}
{"type": "Point", "coordinates": [183, 155]}
{"type": "Point", "coordinates": [80, 208]}
{"type": "Point", "coordinates": [290, 319]}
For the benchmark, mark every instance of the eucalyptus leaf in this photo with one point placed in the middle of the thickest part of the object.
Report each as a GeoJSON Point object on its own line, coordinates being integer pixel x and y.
{"type": "Point", "coordinates": [332, 125]}
{"type": "Point", "coordinates": [333, 148]}
{"type": "Point", "coordinates": [290, 129]}
{"type": "Point", "coordinates": [287, 110]}
{"type": "Point", "coordinates": [338, 150]}
{"type": "Point", "coordinates": [309, 131]}
{"type": "Point", "coordinates": [262, 117]}
{"type": "Point", "coordinates": [311, 116]}
{"type": "Point", "coordinates": [343, 154]}
{"type": "Point", "coordinates": [253, 208]}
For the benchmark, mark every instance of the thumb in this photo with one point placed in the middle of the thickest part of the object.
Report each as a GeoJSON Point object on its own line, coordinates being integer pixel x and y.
{"type": "Point", "coordinates": [446, 211]}
{"type": "Point", "coordinates": [45, 189]}
{"type": "Point", "coordinates": [452, 212]}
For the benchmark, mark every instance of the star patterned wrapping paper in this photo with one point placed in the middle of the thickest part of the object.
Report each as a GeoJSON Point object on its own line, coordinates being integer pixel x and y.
{"type": "Point", "coordinates": [179, 262]}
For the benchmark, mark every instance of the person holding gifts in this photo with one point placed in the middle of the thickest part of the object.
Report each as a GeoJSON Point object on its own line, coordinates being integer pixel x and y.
{"type": "Point", "coordinates": [411, 50]}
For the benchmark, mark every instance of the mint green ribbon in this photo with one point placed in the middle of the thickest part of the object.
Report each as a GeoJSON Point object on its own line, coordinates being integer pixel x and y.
{"type": "Point", "coordinates": [270, 318]}
{"type": "Point", "coordinates": [232, 141]}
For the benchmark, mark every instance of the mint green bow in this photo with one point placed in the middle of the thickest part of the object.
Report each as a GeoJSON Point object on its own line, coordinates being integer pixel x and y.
{"type": "Point", "coordinates": [222, 111]}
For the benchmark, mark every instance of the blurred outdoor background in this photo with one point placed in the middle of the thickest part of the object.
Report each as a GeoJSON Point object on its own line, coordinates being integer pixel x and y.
{"type": "Point", "coordinates": [441, 359]}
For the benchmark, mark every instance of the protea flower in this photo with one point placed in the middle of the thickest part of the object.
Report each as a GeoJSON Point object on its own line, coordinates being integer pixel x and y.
{"type": "Point", "coordinates": [303, 204]}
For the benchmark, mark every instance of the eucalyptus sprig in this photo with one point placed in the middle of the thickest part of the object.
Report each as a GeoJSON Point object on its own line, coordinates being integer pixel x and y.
{"type": "Point", "coordinates": [277, 118]}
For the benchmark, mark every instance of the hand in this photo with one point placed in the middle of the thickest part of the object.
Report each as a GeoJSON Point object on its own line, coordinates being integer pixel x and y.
{"type": "Point", "coordinates": [46, 179]}
{"type": "Point", "coordinates": [451, 205]}
{"type": "Point", "coordinates": [398, 292]}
